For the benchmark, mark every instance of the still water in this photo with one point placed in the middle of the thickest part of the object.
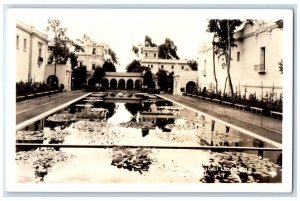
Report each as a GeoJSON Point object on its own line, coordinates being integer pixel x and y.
{"type": "Point", "coordinates": [145, 123]}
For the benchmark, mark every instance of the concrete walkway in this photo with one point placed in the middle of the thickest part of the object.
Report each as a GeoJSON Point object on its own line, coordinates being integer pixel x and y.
{"type": "Point", "coordinates": [264, 126]}
{"type": "Point", "coordinates": [31, 108]}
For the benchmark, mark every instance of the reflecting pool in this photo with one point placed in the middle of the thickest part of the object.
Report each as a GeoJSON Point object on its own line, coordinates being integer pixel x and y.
{"type": "Point", "coordinates": [145, 140]}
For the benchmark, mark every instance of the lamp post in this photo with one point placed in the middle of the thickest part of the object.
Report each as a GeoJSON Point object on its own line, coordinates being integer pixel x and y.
{"type": "Point", "coordinates": [72, 83]}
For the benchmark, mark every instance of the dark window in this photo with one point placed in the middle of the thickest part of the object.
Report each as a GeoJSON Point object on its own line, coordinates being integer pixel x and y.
{"type": "Point", "coordinates": [262, 58]}
{"type": "Point", "coordinates": [17, 41]}
{"type": "Point", "coordinates": [40, 52]}
{"type": "Point", "coordinates": [24, 44]}
{"type": "Point", "coordinates": [146, 54]}
{"type": "Point", "coordinates": [94, 50]}
{"type": "Point", "coordinates": [238, 56]}
{"type": "Point", "coordinates": [162, 66]}
{"type": "Point", "coordinates": [94, 66]}
{"type": "Point", "coordinates": [154, 55]}
{"type": "Point", "coordinates": [182, 67]}
{"type": "Point", "coordinates": [151, 66]}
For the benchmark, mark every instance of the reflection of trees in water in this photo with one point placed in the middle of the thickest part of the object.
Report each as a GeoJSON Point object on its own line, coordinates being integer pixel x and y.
{"type": "Point", "coordinates": [133, 108]}
{"type": "Point", "coordinates": [72, 108]}
{"type": "Point", "coordinates": [110, 106]}
{"type": "Point", "coordinates": [146, 106]}
{"type": "Point", "coordinates": [161, 123]}
{"type": "Point", "coordinates": [163, 103]}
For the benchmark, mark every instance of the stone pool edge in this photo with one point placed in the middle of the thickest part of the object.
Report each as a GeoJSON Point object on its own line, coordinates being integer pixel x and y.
{"type": "Point", "coordinates": [45, 114]}
{"type": "Point", "coordinates": [271, 142]}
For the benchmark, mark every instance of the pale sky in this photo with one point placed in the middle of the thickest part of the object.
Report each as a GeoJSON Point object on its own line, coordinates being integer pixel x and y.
{"type": "Point", "coordinates": [121, 28]}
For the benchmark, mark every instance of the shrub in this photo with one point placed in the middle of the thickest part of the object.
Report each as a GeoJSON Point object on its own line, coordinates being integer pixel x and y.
{"type": "Point", "coordinates": [23, 89]}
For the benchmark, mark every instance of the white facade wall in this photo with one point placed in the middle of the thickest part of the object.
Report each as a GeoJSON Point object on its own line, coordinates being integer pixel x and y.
{"type": "Point", "coordinates": [167, 65]}
{"type": "Point", "coordinates": [38, 70]}
{"type": "Point", "coordinates": [182, 72]}
{"type": "Point", "coordinates": [151, 60]}
{"type": "Point", "coordinates": [60, 73]}
{"type": "Point", "coordinates": [243, 73]}
{"type": "Point", "coordinates": [95, 55]}
{"type": "Point", "coordinates": [22, 55]}
{"type": "Point", "coordinates": [27, 53]}
{"type": "Point", "coordinates": [182, 78]}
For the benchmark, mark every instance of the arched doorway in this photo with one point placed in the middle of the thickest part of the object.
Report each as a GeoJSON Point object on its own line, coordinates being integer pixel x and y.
{"type": "Point", "coordinates": [113, 84]}
{"type": "Point", "coordinates": [121, 84]}
{"type": "Point", "coordinates": [137, 85]}
{"type": "Point", "coordinates": [130, 84]}
{"type": "Point", "coordinates": [105, 83]}
{"type": "Point", "coordinates": [190, 87]}
{"type": "Point", "coordinates": [52, 80]}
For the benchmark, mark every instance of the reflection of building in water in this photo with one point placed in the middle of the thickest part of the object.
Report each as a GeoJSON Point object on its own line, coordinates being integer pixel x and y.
{"type": "Point", "coordinates": [138, 117]}
{"type": "Point", "coordinates": [89, 111]}
{"type": "Point", "coordinates": [154, 116]}
{"type": "Point", "coordinates": [160, 119]}
{"type": "Point", "coordinates": [82, 110]}
{"type": "Point", "coordinates": [153, 107]}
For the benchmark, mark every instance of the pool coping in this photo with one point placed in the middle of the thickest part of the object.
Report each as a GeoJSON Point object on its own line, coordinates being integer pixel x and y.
{"type": "Point", "coordinates": [254, 135]}
{"type": "Point", "coordinates": [45, 114]}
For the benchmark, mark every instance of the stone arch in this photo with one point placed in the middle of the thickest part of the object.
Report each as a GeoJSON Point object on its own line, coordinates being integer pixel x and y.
{"type": "Point", "coordinates": [137, 85]}
{"type": "Point", "coordinates": [113, 84]}
{"type": "Point", "coordinates": [105, 83]}
{"type": "Point", "coordinates": [121, 84]}
{"type": "Point", "coordinates": [129, 84]}
{"type": "Point", "coordinates": [53, 81]}
{"type": "Point", "coordinates": [189, 87]}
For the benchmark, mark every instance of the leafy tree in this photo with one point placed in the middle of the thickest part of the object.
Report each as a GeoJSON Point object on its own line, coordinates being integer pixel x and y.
{"type": "Point", "coordinates": [60, 42]}
{"type": "Point", "coordinates": [148, 79]}
{"type": "Point", "coordinates": [135, 50]}
{"type": "Point", "coordinates": [170, 82]}
{"type": "Point", "coordinates": [109, 67]}
{"type": "Point", "coordinates": [73, 57]}
{"type": "Point", "coordinates": [167, 50]}
{"type": "Point", "coordinates": [113, 56]}
{"type": "Point", "coordinates": [223, 30]}
{"type": "Point", "coordinates": [78, 45]}
{"type": "Point", "coordinates": [97, 76]}
{"type": "Point", "coordinates": [162, 79]}
{"type": "Point", "coordinates": [135, 66]}
{"type": "Point", "coordinates": [280, 64]}
{"type": "Point", "coordinates": [148, 42]}
{"type": "Point", "coordinates": [279, 24]}
{"type": "Point", "coordinates": [193, 64]}
{"type": "Point", "coordinates": [212, 26]}
{"type": "Point", "coordinates": [79, 75]}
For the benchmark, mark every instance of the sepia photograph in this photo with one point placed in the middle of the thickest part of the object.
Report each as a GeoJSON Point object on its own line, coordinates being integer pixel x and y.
{"type": "Point", "coordinates": [150, 97]}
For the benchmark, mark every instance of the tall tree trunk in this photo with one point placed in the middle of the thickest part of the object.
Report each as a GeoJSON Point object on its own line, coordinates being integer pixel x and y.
{"type": "Point", "coordinates": [55, 66]}
{"type": "Point", "coordinates": [214, 63]}
{"type": "Point", "coordinates": [225, 85]}
{"type": "Point", "coordinates": [228, 59]}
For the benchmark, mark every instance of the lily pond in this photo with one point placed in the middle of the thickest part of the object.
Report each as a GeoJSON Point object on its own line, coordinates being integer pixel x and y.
{"type": "Point", "coordinates": [119, 138]}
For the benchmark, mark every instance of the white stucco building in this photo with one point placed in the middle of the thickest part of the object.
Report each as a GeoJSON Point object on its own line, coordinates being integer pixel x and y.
{"type": "Point", "coordinates": [151, 60]}
{"type": "Point", "coordinates": [254, 64]}
{"type": "Point", "coordinates": [182, 71]}
{"type": "Point", "coordinates": [31, 53]}
{"type": "Point", "coordinates": [95, 54]}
